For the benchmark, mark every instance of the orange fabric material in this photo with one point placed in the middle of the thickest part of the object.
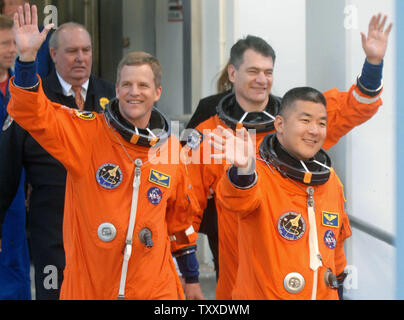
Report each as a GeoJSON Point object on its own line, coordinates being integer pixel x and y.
{"type": "Point", "coordinates": [266, 257]}
{"type": "Point", "coordinates": [93, 267]}
{"type": "Point", "coordinates": [344, 112]}
{"type": "Point", "coordinates": [307, 177]}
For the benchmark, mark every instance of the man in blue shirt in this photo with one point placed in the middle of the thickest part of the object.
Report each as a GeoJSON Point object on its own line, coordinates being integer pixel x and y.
{"type": "Point", "coordinates": [14, 257]}
{"type": "Point", "coordinates": [15, 221]}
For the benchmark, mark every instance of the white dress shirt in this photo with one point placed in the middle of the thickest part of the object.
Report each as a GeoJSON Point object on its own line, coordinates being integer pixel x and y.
{"type": "Point", "coordinates": [68, 90]}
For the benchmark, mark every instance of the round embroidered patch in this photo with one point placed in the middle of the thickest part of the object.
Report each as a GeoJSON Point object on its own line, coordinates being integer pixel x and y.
{"type": "Point", "coordinates": [85, 115]}
{"type": "Point", "coordinates": [154, 195]}
{"type": "Point", "coordinates": [291, 226]}
{"type": "Point", "coordinates": [330, 240]}
{"type": "Point", "coordinates": [109, 176]}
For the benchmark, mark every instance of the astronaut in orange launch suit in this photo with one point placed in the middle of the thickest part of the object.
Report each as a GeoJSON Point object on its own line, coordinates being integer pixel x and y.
{"type": "Point", "coordinates": [290, 206]}
{"type": "Point", "coordinates": [123, 206]}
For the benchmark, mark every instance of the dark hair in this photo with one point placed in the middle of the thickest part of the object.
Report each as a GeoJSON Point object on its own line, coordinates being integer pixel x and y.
{"type": "Point", "coordinates": [303, 94]}
{"type": "Point", "coordinates": [1, 6]}
{"type": "Point", "coordinates": [250, 42]}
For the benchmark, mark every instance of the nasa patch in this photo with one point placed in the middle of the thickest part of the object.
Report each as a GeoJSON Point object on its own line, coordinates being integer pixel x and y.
{"type": "Point", "coordinates": [330, 240]}
{"type": "Point", "coordinates": [154, 195]}
{"type": "Point", "coordinates": [109, 176]}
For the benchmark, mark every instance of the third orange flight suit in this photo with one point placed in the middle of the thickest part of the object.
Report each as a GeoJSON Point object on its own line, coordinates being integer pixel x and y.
{"type": "Point", "coordinates": [345, 110]}
{"type": "Point", "coordinates": [274, 235]}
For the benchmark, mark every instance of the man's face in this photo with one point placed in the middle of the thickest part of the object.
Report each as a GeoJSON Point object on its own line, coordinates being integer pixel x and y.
{"type": "Point", "coordinates": [137, 93]}
{"type": "Point", "coordinates": [8, 49]}
{"type": "Point", "coordinates": [252, 81]}
{"type": "Point", "coordinates": [302, 129]}
{"type": "Point", "coordinates": [11, 7]}
{"type": "Point", "coordinates": [73, 57]}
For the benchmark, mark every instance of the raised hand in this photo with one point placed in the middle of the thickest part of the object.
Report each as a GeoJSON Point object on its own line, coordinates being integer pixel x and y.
{"type": "Point", "coordinates": [27, 36]}
{"type": "Point", "coordinates": [238, 150]}
{"type": "Point", "coordinates": [375, 44]}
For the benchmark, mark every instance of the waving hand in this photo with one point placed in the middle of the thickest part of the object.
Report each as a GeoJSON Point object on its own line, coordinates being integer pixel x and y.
{"type": "Point", "coordinates": [239, 149]}
{"type": "Point", "coordinates": [375, 43]}
{"type": "Point", "coordinates": [27, 36]}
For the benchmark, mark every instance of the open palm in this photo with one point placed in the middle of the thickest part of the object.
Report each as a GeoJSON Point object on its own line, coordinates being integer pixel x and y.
{"type": "Point", "coordinates": [238, 149]}
{"type": "Point", "coordinates": [375, 44]}
{"type": "Point", "coordinates": [27, 36]}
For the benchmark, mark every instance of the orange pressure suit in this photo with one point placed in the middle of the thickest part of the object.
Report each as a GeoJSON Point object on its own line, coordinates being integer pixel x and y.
{"type": "Point", "coordinates": [345, 110]}
{"type": "Point", "coordinates": [274, 235]}
{"type": "Point", "coordinates": [100, 177]}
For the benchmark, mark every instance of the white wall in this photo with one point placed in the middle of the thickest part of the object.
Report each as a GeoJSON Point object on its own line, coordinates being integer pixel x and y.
{"type": "Point", "coordinates": [364, 159]}
{"type": "Point", "coordinates": [210, 46]}
{"type": "Point", "coordinates": [282, 24]}
{"type": "Point", "coordinates": [371, 172]}
{"type": "Point", "coordinates": [375, 139]}
{"type": "Point", "coordinates": [169, 51]}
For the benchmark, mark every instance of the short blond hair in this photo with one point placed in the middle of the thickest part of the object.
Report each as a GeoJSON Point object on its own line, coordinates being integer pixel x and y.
{"type": "Point", "coordinates": [138, 58]}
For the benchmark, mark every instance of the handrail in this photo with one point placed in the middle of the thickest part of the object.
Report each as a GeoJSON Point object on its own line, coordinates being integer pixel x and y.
{"type": "Point", "coordinates": [372, 230]}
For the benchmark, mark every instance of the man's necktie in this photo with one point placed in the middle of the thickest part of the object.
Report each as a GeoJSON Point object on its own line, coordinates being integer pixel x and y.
{"type": "Point", "coordinates": [78, 97]}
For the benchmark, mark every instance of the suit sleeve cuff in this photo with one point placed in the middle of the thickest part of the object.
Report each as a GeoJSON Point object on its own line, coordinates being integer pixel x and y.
{"type": "Point", "coordinates": [189, 267]}
{"type": "Point", "coordinates": [241, 181]}
{"type": "Point", "coordinates": [26, 74]}
{"type": "Point", "coordinates": [370, 81]}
